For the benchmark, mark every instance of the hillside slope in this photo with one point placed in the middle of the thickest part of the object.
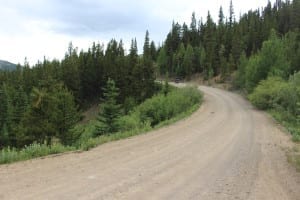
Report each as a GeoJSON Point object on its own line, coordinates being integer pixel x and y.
{"type": "Point", "coordinates": [5, 65]}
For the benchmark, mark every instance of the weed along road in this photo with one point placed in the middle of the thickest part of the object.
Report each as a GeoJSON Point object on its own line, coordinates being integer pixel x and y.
{"type": "Point", "coordinates": [225, 150]}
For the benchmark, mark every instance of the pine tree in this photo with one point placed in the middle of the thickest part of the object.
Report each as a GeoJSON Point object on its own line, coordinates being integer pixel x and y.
{"type": "Point", "coordinates": [111, 59]}
{"type": "Point", "coordinates": [162, 61]}
{"type": "Point", "coordinates": [240, 79]}
{"type": "Point", "coordinates": [171, 46]}
{"type": "Point", "coordinates": [185, 36]}
{"type": "Point", "coordinates": [180, 71]}
{"type": "Point", "coordinates": [223, 64]}
{"type": "Point", "coordinates": [110, 111]}
{"type": "Point", "coordinates": [295, 15]}
{"type": "Point", "coordinates": [146, 64]}
{"type": "Point", "coordinates": [221, 17]}
{"type": "Point", "coordinates": [7, 110]}
{"type": "Point", "coordinates": [4, 136]}
{"type": "Point", "coordinates": [231, 14]}
{"type": "Point", "coordinates": [133, 53]}
{"type": "Point", "coordinates": [220, 46]}
{"type": "Point", "coordinates": [38, 123]}
{"type": "Point", "coordinates": [91, 72]}
{"type": "Point", "coordinates": [3, 106]}
{"type": "Point", "coordinates": [146, 48]}
{"type": "Point", "coordinates": [153, 52]}
{"type": "Point", "coordinates": [67, 115]}
{"type": "Point", "coordinates": [197, 65]}
{"type": "Point", "coordinates": [194, 38]}
{"type": "Point", "coordinates": [130, 81]}
{"type": "Point", "coordinates": [237, 46]}
{"type": "Point", "coordinates": [292, 42]}
{"type": "Point", "coordinates": [210, 46]}
{"type": "Point", "coordinates": [202, 59]}
{"type": "Point", "coordinates": [70, 71]}
{"type": "Point", "coordinates": [188, 61]}
{"type": "Point", "coordinates": [4, 117]}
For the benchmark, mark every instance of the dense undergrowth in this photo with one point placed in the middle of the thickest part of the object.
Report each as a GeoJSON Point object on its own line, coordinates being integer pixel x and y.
{"type": "Point", "coordinates": [162, 109]}
{"type": "Point", "coordinates": [281, 99]}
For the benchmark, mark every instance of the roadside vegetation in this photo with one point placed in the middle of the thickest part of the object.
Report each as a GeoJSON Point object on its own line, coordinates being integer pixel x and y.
{"type": "Point", "coordinates": [271, 80]}
{"type": "Point", "coordinates": [162, 109]}
{"type": "Point", "coordinates": [281, 99]}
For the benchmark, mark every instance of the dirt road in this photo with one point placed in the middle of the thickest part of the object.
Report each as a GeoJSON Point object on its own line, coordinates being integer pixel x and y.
{"type": "Point", "coordinates": [226, 150]}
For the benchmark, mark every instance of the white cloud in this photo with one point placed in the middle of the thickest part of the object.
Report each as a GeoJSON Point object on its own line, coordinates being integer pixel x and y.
{"type": "Point", "coordinates": [38, 28]}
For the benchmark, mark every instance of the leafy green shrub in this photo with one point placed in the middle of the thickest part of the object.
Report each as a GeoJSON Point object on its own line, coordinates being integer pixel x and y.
{"type": "Point", "coordinates": [287, 98]}
{"type": "Point", "coordinates": [253, 73]}
{"type": "Point", "coordinates": [161, 107]}
{"type": "Point", "coordinates": [267, 94]}
{"type": "Point", "coordinates": [282, 98]}
{"type": "Point", "coordinates": [130, 122]}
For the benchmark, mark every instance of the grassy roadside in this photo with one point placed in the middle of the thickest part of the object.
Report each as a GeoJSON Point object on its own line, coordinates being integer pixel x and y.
{"type": "Point", "coordinates": [293, 156]}
{"type": "Point", "coordinates": [280, 98]}
{"type": "Point", "coordinates": [156, 112]}
{"type": "Point", "coordinates": [293, 127]}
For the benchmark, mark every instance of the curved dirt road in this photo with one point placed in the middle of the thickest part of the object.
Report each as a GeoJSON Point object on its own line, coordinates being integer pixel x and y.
{"type": "Point", "coordinates": [226, 150]}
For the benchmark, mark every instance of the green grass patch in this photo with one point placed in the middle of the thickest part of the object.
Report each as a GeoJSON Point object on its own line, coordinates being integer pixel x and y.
{"type": "Point", "coordinates": [9, 155]}
{"type": "Point", "coordinates": [289, 121]}
{"type": "Point", "coordinates": [293, 157]}
{"type": "Point", "coordinates": [156, 112]}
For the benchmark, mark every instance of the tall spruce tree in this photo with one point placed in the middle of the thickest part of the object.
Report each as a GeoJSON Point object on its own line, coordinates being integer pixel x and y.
{"type": "Point", "coordinates": [188, 61]}
{"type": "Point", "coordinates": [210, 46]}
{"type": "Point", "coordinates": [67, 115]}
{"type": "Point", "coordinates": [110, 110]}
{"type": "Point", "coordinates": [194, 37]}
{"type": "Point", "coordinates": [147, 82]}
{"type": "Point", "coordinates": [153, 51]}
{"type": "Point", "coordinates": [231, 14]}
{"type": "Point", "coordinates": [5, 116]}
{"type": "Point", "coordinates": [162, 61]}
{"type": "Point", "coordinates": [146, 48]}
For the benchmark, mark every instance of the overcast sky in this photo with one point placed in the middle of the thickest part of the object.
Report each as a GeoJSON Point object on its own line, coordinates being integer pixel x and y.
{"type": "Point", "coordinates": [38, 28]}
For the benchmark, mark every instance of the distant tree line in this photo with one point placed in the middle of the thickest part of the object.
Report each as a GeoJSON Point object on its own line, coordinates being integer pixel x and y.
{"type": "Point", "coordinates": [214, 48]}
